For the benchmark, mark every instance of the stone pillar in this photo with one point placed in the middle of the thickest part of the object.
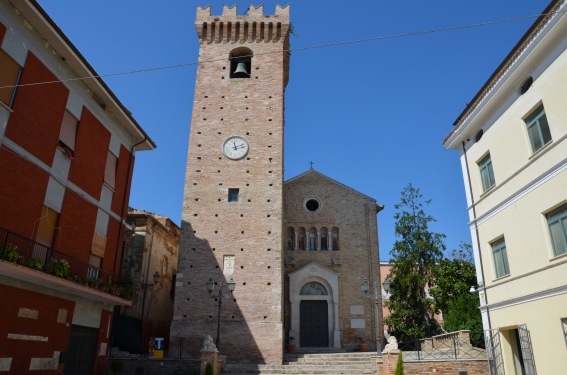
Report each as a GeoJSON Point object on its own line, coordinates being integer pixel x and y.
{"type": "Point", "coordinates": [209, 354]}
{"type": "Point", "coordinates": [389, 357]}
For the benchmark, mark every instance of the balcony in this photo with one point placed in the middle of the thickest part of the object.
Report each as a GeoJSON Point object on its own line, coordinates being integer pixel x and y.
{"type": "Point", "coordinates": [26, 260]}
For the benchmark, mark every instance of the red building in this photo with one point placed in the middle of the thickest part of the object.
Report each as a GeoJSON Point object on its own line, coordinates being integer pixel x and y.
{"type": "Point", "coordinates": [66, 159]}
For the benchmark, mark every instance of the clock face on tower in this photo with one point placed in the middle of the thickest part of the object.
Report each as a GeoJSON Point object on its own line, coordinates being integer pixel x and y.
{"type": "Point", "coordinates": [235, 148]}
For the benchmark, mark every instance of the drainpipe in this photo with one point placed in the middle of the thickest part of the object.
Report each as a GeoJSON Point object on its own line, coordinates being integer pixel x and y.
{"type": "Point", "coordinates": [477, 235]}
{"type": "Point", "coordinates": [124, 206]}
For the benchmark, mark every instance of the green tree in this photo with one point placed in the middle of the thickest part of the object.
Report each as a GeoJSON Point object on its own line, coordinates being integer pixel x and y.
{"type": "Point", "coordinates": [453, 279]}
{"type": "Point", "coordinates": [415, 254]}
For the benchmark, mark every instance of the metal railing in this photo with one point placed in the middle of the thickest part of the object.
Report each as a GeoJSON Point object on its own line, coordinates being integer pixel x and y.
{"type": "Point", "coordinates": [454, 345]}
{"type": "Point", "coordinates": [26, 252]}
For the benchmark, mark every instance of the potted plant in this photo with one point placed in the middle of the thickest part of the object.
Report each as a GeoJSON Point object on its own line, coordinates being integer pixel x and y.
{"type": "Point", "coordinates": [362, 346]}
{"type": "Point", "coordinates": [33, 263]}
{"type": "Point", "coordinates": [291, 345]}
{"type": "Point", "coordinates": [58, 267]}
{"type": "Point", "coordinates": [10, 253]}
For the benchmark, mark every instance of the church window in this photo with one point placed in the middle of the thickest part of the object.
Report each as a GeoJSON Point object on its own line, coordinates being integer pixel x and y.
{"type": "Point", "coordinates": [313, 288]}
{"type": "Point", "coordinates": [240, 62]}
{"type": "Point", "coordinates": [301, 239]}
{"type": "Point", "coordinates": [290, 239]}
{"type": "Point", "coordinates": [324, 239]}
{"type": "Point", "coordinates": [312, 205]}
{"type": "Point", "coordinates": [335, 239]}
{"type": "Point", "coordinates": [233, 195]}
{"type": "Point", "coordinates": [312, 239]}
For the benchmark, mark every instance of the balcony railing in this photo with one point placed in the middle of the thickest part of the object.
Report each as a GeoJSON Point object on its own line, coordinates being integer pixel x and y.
{"type": "Point", "coordinates": [26, 252]}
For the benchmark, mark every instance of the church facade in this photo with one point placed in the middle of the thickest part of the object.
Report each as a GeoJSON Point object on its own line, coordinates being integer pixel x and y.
{"type": "Point", "coordinates": [266, 261]}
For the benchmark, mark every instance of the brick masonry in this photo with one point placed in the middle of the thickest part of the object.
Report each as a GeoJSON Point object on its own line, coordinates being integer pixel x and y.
{"type": "Point", "coordinates": [250, 229]}
{"type": "Point", "coordinates": [386, 365]}
{"type": "Point", "coordinates": [355, 216]}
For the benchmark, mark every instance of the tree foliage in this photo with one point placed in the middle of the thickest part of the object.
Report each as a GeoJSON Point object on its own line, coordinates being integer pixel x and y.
{"type": "Point", "coordinates": [414, 255]}
{"type": "Point", "coordinates": [453, 279]}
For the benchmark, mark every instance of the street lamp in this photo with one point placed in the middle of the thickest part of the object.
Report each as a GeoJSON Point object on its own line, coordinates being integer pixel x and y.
{"type": "Point", "coordinates": [365, 286]}
{"type": "Point", "coordinates": [219, 296]}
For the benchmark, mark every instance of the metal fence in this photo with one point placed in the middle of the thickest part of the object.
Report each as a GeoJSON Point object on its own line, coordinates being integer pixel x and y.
{"type": "Point", "coordinates": [26, 252]}
{"type": "Point", "coordinates": [450, 346]}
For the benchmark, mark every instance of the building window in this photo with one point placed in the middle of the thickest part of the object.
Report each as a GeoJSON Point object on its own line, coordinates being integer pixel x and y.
{"type": "Point", "coordinates": [8, 79]}
{"type": "Point", "coordinates": [538, 129]}
{"type": "Point", "coordinates": [68, 135]}
{"type": "Point", "coordinates": [301, 239]}
{"type": "Point", "coordinates": [312, 239]}
{"type": "Point", "coordinates": [233, 195]}
{"type": "Point", "coordinates": [94, 267]}
{"type": "Point", "coordinates": [486, 173]}
{"type": "Point", "coordinates": [110, 170]}
{"type": "Point", "coordinates": [240, 62]}
{"type": "Point", "coordinates": [324, 239]}
{"type": "Point", "coordinates": [557, 222]}
{"type": "Point", "coordinates": [312, 205]}
{"type": "Point", "coordinates": [290, 239]}
{"type": "Point", "coordinates": [335, 239]}
{"type": "Point", "coordinates": [500, 258]}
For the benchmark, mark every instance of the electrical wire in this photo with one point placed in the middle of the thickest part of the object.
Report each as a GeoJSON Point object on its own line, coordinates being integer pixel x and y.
{"type": "Point", "coordinates": [298, 49]}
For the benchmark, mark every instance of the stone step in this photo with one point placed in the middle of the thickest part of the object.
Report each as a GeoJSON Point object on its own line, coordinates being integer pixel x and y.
{"type": "Point", "coordinates": [336, 363]}
{"type": "Point", "coordinates": [323, 370]}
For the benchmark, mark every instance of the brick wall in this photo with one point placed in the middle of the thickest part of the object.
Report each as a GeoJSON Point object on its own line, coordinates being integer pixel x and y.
{"type": "Point", "coordinates": [22, 190]}
{"type": "Point", "coordinates": [76, 223]}
{"type": "Point", "coordinates": [103, 342]}
{"type": "Point", "coordinates": [250, 229]}
{"type": "Point", "coordinates": [38, 107]}
{"type": "Point", "coordinates": [386, 365]}
{"type": "Point", "coordinates": [123, 180]}
{"type": "Point", "coordinates": [111, 246]}
{"type": "Point", "coordinates": [42, 323]}
{"type": "Point", "coordinates": [91, 151]}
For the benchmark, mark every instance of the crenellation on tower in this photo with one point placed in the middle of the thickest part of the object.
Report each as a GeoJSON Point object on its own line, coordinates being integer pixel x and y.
{"type": "Point", "coordinates": [254, 26]}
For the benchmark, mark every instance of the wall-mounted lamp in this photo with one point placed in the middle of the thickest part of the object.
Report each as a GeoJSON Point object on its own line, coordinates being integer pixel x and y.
{"type": "Point", "coordinates": [156, 281]}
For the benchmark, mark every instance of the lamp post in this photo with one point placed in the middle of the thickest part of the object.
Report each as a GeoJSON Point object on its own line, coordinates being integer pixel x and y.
{"type": "Point", "coordinates": [365, 286]}
{"type": "Point", "coordinates": [219, 296]}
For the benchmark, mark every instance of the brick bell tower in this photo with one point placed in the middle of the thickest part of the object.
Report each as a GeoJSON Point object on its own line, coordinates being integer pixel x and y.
{"type": "Point", "coordinates": [233, 209]}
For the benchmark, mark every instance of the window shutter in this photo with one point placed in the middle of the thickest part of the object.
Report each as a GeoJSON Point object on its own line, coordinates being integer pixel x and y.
{"type": "Point", "coordinates": [110, 171]}
{"type": "Point", "coordinates": [68, 133]}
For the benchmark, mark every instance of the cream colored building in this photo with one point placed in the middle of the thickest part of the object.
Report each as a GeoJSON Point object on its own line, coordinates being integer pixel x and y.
{"type": "Point", "coordinates": [512, 143]}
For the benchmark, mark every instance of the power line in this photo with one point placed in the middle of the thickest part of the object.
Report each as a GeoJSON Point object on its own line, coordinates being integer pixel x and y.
{"type": "Point", "coordinates": [298, 49]}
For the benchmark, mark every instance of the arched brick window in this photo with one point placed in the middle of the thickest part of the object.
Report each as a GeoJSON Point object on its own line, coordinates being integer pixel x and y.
{"type": "Point", "coordinates": [335, 243]}
{"type": "Point", "coordinates": [324, 239]}
{"type": "Point", "coordinates": [240, 62]}
{"type": "Point", "coordinates": [301, 239]}
{"type": "Point", "coordinates": [312, 239]}
{"type": "Point", "coordinates": [290, 239]}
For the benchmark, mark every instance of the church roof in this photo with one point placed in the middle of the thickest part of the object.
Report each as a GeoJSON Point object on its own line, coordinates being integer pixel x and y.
{"type": "Point", "coordinates": [312, 171]}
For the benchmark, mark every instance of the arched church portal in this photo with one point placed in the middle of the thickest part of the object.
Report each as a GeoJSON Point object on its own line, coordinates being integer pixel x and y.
{"type": "Point", "coordinates": [314, 307]}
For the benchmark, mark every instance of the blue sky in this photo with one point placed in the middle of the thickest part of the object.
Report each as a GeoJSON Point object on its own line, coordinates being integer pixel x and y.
{"type": "Point", "coordinates": [370, 115]}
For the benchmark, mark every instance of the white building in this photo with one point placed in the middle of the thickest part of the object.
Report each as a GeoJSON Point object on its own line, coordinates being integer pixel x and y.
{"type": "Point", "coordinates": [511, 139]}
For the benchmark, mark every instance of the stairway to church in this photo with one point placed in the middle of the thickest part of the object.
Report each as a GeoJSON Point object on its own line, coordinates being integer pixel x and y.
{"type": "Point", "coordinates": [310, 363]}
